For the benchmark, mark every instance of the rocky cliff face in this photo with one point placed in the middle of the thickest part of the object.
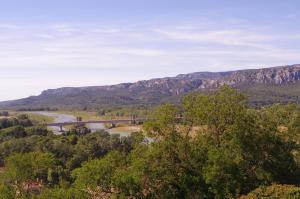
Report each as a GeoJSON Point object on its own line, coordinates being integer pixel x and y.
{"type": "Point", "coordinates": [201, 80]}
{"type": "Point", "coordinates": [157, 90]}
{"type": "Point", "coordinates": [198, 81]}
{"type": "Point", "coordinates": [276, 75]}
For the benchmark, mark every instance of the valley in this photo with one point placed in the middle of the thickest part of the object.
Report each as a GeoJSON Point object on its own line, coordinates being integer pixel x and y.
{"type": "Point", "coordinates": [62, 117]}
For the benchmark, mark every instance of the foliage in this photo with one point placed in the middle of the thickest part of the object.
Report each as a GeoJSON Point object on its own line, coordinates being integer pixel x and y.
{"type": "Point", "coordinates": [8, 122]}
{"type": "Point", "coordinates": [274, 191]}
{"type": "Point", "coordinates": [99, 172]}
{"type": "Point", "coordinates": [28, 166]}
{"type": "Point", "coordinates": [210, 146]}
{"type": "Point", "coordinates": [6, 191]}
{"type": "Point", "coordinates": [59, 193]}
{"type": "Point", "coordinates": [4, 113]}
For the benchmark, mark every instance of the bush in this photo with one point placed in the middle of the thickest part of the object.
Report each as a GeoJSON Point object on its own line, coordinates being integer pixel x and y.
{"type": "Point", "coordinates": [15, 132]}
{"type": "Point", "coordinates": [274, 191]}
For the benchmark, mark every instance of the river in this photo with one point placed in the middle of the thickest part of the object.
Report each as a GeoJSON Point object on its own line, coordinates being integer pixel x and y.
{"type": "Point", "coordinates": [61, 118]}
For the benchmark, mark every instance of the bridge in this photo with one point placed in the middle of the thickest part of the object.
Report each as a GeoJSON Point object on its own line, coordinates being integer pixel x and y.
{"type": "Point", "coordinates": [112, 122]}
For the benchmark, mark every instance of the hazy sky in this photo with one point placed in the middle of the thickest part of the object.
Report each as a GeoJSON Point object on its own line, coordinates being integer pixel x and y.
{"type": "Point", "coordinates": [56, 43]}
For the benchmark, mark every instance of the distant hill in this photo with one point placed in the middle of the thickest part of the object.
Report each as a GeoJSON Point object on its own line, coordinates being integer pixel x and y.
{"type": "Point", "coordinates": [263, 86]}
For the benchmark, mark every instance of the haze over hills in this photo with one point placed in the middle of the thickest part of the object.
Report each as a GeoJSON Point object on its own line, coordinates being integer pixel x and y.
{"type": "Point", "coordinates": [263, 86]}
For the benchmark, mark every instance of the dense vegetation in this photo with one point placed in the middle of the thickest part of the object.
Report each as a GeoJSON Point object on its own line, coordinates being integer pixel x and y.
{"type": "Point", "coordinates": [4, 114]}
{"type": "Point", "coordinates": [262, 95]}
{"type": "Point", "coordinates": [211, 146]}
{"type": "Point", "coordinates": [128, 111]}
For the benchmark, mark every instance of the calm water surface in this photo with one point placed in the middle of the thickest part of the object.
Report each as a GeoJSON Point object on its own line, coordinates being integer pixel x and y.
{"type": "Point", "coordinates": [60, 118]}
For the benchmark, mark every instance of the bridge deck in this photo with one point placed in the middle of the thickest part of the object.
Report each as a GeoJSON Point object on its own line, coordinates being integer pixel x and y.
{"type": "Point", "coordinates": [95, 122]}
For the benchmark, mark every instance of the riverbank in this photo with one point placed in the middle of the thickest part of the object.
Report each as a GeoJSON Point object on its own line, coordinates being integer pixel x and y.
{"type": "Point", "coordinates": [70, 116]}
{"type": "Point", "coordinates": [127, 129]}
{"type": "Point", "coordinates": [39, 118]}
{"type": "Point", "coordinates": [89, 115]}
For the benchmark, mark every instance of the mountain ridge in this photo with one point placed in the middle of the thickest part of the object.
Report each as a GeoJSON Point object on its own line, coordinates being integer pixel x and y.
{"type": "Point", "coordinates": [159, 90]}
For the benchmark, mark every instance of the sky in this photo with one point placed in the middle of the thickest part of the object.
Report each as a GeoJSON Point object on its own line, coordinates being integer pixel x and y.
{"type": "Point", "coordinates": [60, 43]}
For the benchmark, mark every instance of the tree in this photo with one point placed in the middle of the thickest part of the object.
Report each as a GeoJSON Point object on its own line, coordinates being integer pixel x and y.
{"type": "Point", "coordinates": [98, 173]}
{"type": "Point", "coordinates": [163, 121]}
{"type": "Point", "coordinates": [28, 166]}
{"type": "Point", "coordinates": [4, 113]}
{"type": "Point", "coordinates": [274, 191]}
{"type": "Point", "coordinates": [15, 132]}
{"type": "Point", "coordinates": [24, 120]}
{"type": "Point", "coordinates": [218, 111]}
{"type": "Point", "coordinates": [6, 191]}
{"type": "Point", "coordinates": [59, 193]}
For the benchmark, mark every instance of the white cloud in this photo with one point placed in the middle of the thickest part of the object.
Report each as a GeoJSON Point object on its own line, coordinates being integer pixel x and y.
{"type": "Point", "coordinates": [31, 54]}
{"type": "Point", "coordinates": [224, 37]}
{"type": "Point", "coordinates": [66, 45]}
{"type": "Point", "coordinates": [8, 26]}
